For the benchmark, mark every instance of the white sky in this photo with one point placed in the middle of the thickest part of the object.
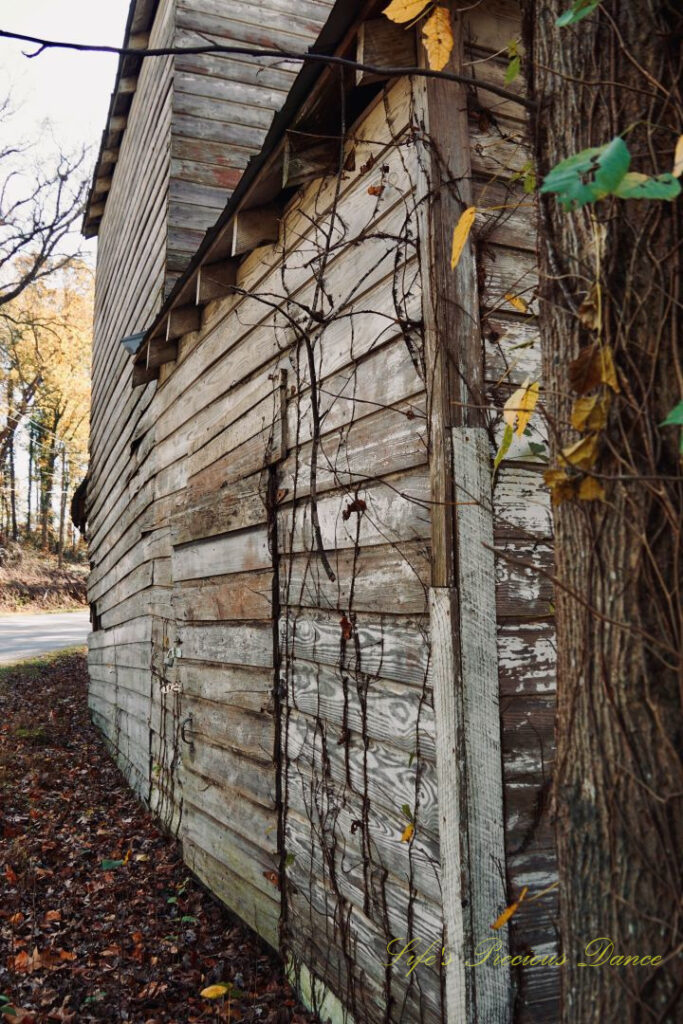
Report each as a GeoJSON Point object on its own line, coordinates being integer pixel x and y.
{"type": "Point", "coordinates": [69, 89]}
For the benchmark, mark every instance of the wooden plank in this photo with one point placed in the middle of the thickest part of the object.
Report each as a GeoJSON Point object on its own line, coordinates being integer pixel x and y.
{"type": "Point", "coordinates": [479, 681]}
{"type": "Point", "coordinates": [454, 859]}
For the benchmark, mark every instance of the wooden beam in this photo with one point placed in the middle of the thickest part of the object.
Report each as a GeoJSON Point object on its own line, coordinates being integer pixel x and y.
{"type": "Point", "coordinates": [307, 157]}
{"type": "Point", "coordinates": [127, 85]}
{"type": "Point", "coordinates": [143, 374]}
{"type": "Point", "coordinates": [139, 41]}
{"type": "Point", "coordinates": [215, 280]}
{"type": "Point", "coordinates": [102, 185]}
{"type": "Point", "coordinates": [251, 228]}
{"type": "Point", "coordinates": [109, 156]}
{"type": "Point", "coordinates": [182, 321]}
{"type": "Point", "coordinates": [383, 43]}
{"type": "Point", "coordinates": [160, 352]}
{"type": "Point", "coordinates": [117, 123]}
{"type": "Point", "coordinates": [95, 212]}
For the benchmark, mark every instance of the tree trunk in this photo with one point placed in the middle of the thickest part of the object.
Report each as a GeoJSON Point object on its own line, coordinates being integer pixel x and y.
{"type": "Point", "coordinates": [618, 779]}
{"type": "Point", "coordinates": [62, 506]}
{"type": "Point", "coordinates": [30, 480]}
{"type": "Point", "coordinates": [13, 491]}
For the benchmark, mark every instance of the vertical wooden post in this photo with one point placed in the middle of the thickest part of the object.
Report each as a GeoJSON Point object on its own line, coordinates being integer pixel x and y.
{"type": "Point", "coordinates": [462, 596]}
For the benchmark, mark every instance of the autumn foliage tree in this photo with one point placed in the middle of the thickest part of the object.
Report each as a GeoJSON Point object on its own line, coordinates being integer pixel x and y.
{"type": "Point", "coordinates": [45, 377]}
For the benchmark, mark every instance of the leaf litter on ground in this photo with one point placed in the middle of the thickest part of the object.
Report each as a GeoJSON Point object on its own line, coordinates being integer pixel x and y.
{"type": "Point", "coordinates": [99, 917]}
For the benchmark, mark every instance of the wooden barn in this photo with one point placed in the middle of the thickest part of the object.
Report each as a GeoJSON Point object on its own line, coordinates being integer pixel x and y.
{"type": "Point", "coordinates": [322, 642]}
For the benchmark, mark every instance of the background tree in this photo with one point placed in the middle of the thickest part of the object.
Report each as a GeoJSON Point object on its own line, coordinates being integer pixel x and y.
{"type": "Point", "coordinates": [42, 195]}
{"type": "Point", "coordinates": [611, 329]}
{"type": "Point", "coordinates": [45, 366]}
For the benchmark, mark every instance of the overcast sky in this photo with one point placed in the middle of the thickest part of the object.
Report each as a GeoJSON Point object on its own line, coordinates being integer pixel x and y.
{"type": "Point", "coordinates": [69, 89]}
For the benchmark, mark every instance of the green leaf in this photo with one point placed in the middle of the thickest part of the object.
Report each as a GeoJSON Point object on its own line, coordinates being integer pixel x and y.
{"type": "Point", "coordinates": [188, 919]}
{"type": "Point", "coordinates": [640, 186]}
{"type": "Point", "coordinates": [512, 70]}
{"type": "Point", "coordinates": [536, 448]}
{"type": "Point", "coordinates": [109, 865]}
{"type": "Point", "coordinates": [579, 10]}
{"type": "Point", "coordinates": [568, 179]}
{"type": "Point", "coordinates": [407, 813]}
{"type": "Point", "coordinates": [289, 860]}
{"type": "Point", "coordinates": [504, 447]}
{"type": "Point", "coordinates": [675, 417]}
{"type": "Point", "coordinates": [411, 759]}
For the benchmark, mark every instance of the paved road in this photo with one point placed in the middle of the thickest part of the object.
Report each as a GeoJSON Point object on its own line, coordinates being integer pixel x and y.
{"type": "Point", "coordinates": [25, 636]}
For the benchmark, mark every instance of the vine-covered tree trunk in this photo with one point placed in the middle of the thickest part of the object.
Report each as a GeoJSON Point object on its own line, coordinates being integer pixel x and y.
{"type": "Point", "coordinates": [617, 796]}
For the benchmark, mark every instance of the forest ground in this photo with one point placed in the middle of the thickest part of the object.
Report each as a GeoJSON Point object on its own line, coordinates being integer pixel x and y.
{"type": "Point", "coordinates": [99, 917]}
{"type": "Point", "coordinates": [32, 581]}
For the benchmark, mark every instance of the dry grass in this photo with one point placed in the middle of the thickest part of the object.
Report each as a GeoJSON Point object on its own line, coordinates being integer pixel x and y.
{"type": "Point", "coordinates": [31, 581]}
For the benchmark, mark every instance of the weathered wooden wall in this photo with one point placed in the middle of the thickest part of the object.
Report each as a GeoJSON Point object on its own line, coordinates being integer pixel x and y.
{"type": "Point", "coordinates": [223, 105]}
{"type": "Point", "coordinates": [260, 528]}
{"type": "Point", "coordinates": [131, 266]}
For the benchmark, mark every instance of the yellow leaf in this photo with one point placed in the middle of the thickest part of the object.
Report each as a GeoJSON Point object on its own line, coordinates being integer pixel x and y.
{"type": "Point", "coordinates": [518, 303]}
{"type": "Point", "coordinates": [591, 489]}
{"type": "Point", "coordinates": [678, 158]}
{"type": "Point", "coordinates": [461, 234]}
{"type": "Point", "coordinates": [437, 36]}
{"type": "Point", "coordinates": [509, 911]}
{"type": "Point", "coordinates": [608, 375]}
{"type": "Point", "coordinates": [520, 405]}
{"type": "Point", "coordinates": [582, 454]}
{"type": "Point", "coordinates": [404, 10]}
{"type": "Point", "coordinates": [214, 991]}
{"type": "Point", "coordinates": [408, 833]}
{"type": "Point", "coordinates": [590, 413]}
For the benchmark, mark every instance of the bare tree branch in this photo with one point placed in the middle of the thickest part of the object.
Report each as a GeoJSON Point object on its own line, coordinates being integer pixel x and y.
{"type": "Point", "coordinates": [295, 55]}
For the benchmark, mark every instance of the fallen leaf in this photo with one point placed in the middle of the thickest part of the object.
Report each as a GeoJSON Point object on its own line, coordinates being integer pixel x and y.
{"type": "Point", "coordinates": [518, 303]}
{"type": "Point", "coordinates": [272, 877]}
{"type": "Point", "coordinates": [590, 489]}
{"type": "Point", "coordinates": [461, 233]}
{"type": "Point", "coordinates": [590, 413]}
{"type": "Point", "coordinates": [214, 991]}
{"type": "Point", "coordinates": [678, 158]}
{"type": "Point", "coordinates": [583, 454]}
{"type": "Point", "coordinates": [408, 833]}
{"type": "Point", "coordinates": [53, 915]}
{"type": "Point", "coordinates": [375, 190]}
{"type": "Point", "coordinates": [520, 406]}
{"type": "Point", "coordinates": [11, 875]}
{"type": "Point", "coordinates": [401, 11]}
{"type": "Point", "coordinates": [437, 36]}
{"type": "Point", "coordinates": [590, 310]}
{"type": "Point", "coordinates": [346, 628]}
